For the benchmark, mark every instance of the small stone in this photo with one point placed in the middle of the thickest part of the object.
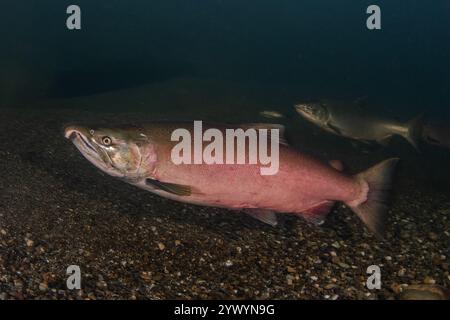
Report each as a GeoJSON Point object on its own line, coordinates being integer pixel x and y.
{"type": "Point", "coordinates": [433, 236]}
{"type": "Point", "coordinates": [177, 242]}
{"type": "Point", "coordinates": [401, 272]}
{"type": "Point", "coordinates": [161, 246]}
{"type": "Point", "coordinates": [429, 280]}
{"type": "Point", "coordinates": [228, 263]}
{"type": "Point", "coordinates": [314, 278]}
{"type": "Point", "coordinates": [43, 286]}
{"type": "Point", "coordinates": [335, 245]}
{"type": "Point", "coordinates": [343, 265]}
{"type": "Point", "coordinates": [396, 288]}
{"type": "Point", "coordinates": [102, 284]}
{"type": "Point", "coordinates": [145, 276]}
{"type": "Point", "coordinates": [388, 258]}
{"type": "Point", "coordinates": [18, 283]}
{"type": "Point", "coordinates": [3, 232]}
{"type": "Point", "coordinates": [424, 292]}
{"type": "Point", "coordinates": [29, 242]}
{"type": "Point", "coordinates": [3, 296]}
{"type": "Point", "coordinates": [290, 269]}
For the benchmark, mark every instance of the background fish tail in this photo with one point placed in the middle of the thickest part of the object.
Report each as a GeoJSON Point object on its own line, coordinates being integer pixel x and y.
{"type": "Point", "coordinates": [414, 133]}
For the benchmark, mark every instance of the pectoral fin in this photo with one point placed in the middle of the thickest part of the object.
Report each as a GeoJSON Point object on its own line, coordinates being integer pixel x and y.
{"type": "Point", "coordinates": [177, 189]}
{"type": "Point", "coordinates": [334, 128]}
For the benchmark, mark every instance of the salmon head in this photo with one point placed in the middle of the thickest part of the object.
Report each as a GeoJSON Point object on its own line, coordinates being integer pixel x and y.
{"type": "Point", "coordinates": [121, 153]}
{"type": "Point", "coordinates": [315, 112]}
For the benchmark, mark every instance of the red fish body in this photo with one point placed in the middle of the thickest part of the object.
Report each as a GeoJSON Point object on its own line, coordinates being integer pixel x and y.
{"type": "Point", "coordinates": [303, 186]}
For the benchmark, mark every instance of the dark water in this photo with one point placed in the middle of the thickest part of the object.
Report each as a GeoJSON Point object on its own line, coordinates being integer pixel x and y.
{"type": "Point", "coordinates": [322, 48]}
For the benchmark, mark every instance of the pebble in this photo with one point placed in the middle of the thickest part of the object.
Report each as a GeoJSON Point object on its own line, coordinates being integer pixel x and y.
{"type": "Point", "coordinates": [425, 292]}
{"type": "Point", "coordinates": [290, 269]}
{"type": "Point", "coordinates": [228, 263]}
{"type": "Point", "coordinates": [3, 232]}
{"type": "Point", "coordinates": [429, 280]}
{"type": "Point", "coordinates": [43, 286]}
{"type": "Point", "coordinates": [433, 236]}
{"type": "Point", "coordinates": [29, 242]}
{"type": "Point", "coordinates": [161, 246]}
{"type": "Point", "coordinates": [343, 265]}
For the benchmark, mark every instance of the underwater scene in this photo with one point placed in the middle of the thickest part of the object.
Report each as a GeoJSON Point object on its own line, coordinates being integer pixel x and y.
{"type": "Point", "coordinates": [224, 149]}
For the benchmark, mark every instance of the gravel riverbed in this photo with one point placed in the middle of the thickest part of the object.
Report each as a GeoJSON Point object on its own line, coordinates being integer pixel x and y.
{"type": "Point", "coordinates": [57, 210]}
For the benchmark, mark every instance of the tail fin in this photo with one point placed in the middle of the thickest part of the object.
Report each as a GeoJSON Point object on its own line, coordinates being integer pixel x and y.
{"type": "Point", "coordinates": [415, 128]}
{"type": "Point", "coordinates": [373, 210]}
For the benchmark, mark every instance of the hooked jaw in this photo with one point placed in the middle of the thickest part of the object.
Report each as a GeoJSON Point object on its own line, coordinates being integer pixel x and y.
{"type": "Point", "coordinates": [71, 132]}
{"type": "Point", "coordinates": [83, 139]}
{"type": "Point", "coordinates": [79, 135]}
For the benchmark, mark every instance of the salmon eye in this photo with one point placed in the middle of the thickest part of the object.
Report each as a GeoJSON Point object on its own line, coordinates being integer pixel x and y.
{"type": "Point", "coordinates": [106, 141]}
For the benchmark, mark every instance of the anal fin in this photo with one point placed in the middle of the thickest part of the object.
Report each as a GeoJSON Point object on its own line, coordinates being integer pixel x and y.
{"type": "Point", "coordinates": [266, 216]}
{"type": "Point", "coordinates": [317, 214]}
